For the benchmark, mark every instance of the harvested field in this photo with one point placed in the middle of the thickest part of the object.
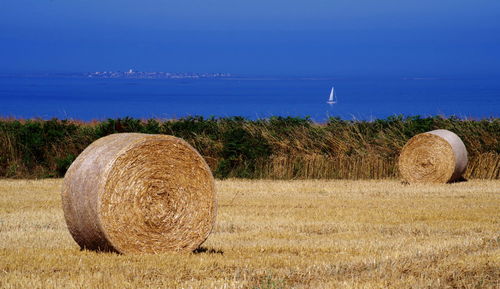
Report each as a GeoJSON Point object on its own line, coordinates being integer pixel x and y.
{"type": "Point", "coordinates": [276, 234]}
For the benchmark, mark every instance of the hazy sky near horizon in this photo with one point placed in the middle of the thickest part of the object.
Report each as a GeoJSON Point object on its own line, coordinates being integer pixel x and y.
{"type": "Point", "coordinates": [315, 37]}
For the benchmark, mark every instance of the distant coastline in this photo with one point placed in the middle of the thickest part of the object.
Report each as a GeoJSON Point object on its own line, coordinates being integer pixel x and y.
{"type": "Point", "coordinates": [131, 74]}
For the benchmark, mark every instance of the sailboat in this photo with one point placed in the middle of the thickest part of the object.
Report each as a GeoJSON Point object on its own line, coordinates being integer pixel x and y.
{"type": "Point", "coordinates": [331, 99]}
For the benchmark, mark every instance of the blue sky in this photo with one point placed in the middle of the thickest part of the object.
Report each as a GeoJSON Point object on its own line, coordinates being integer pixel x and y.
{"type": "Point", "coordinates": [327, 37]}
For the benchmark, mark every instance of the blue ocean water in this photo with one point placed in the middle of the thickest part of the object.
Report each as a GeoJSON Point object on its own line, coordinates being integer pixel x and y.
{"type": "Point", "coordinates": [358, 98]}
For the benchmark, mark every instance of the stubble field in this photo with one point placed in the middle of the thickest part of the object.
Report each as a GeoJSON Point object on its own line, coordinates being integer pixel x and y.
{"type": "Point", "coordinates": [276, 234]}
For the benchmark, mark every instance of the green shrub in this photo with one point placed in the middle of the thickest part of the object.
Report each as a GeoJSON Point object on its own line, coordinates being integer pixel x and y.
{"type": "Point", "coordinates": [240, 153]}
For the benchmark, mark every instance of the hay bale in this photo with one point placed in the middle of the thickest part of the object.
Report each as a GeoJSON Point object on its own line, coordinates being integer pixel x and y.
{"type": "Point", "coordinates": [438, 156]}
{"type": "Point", "coordinates": [138, 193]}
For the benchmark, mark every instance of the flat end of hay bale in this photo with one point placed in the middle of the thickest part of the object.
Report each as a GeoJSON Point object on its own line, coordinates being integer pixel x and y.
{"type": "Point", "coordinates": [437, 156]}
{"type": "Point", "coordinates": [137, 193]}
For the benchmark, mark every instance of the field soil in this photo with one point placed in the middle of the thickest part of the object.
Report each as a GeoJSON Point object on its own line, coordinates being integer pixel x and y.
{"type": "Point", "coordinates": [276, 234]}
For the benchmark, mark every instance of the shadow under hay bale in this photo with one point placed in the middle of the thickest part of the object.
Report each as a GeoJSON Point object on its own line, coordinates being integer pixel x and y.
{"type": "Point", "coordinates": [438, 156]}
{"type": "Point", "coordinates": [204, 250]}
{"type": "Point", "coordinates": [138, 193]}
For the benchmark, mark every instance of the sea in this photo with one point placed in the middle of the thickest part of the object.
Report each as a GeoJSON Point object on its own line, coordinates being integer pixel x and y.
{"type": "Point", "coordinates": [253, 97]}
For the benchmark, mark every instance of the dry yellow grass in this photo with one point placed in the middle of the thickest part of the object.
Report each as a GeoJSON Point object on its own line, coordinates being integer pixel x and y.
{"type": "Point", "coordinates": [273, 234]}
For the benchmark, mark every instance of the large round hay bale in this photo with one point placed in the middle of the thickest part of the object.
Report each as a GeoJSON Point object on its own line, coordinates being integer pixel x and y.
{"type": "Point", "coordinates": [438, 156]}
{"type": "Point", "coordinates": [139, 193]}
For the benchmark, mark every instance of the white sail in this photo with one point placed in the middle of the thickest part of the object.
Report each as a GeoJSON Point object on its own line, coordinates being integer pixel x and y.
{"type": "Point", "coordinates": [332, 96]}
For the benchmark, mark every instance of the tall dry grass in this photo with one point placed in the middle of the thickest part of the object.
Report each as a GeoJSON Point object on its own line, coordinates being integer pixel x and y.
{"type": "Point", "coordinates": [326, 167]}
{"type": "Point", "coordinates": [361, 150]}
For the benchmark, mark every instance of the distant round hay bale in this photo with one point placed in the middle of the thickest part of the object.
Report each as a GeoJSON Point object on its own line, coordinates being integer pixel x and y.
{"type": "Point", "coordinates": [438, 156]}
{"type": "Point", "coordinates": [139, 193]}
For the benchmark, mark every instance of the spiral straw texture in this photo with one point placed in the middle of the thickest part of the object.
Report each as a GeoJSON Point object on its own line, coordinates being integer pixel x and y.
{"type": "Point", "coordinates": [138, 193]}
{"type": "Point", "coordinates": [438, 156]}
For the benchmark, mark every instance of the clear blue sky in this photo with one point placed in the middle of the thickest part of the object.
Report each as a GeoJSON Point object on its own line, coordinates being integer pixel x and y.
{"type": "Point", "coordinates": [315, 37]}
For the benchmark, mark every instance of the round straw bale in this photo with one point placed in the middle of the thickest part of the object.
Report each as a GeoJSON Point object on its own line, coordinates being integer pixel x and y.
{"type": "Point", "coordinates": [139, 193]}
{"type": "Point", "coordinates": [438, 156]}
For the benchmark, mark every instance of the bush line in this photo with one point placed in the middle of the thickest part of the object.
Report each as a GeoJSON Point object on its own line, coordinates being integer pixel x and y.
{"type": "Point", "coordinates": [277, 147]}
